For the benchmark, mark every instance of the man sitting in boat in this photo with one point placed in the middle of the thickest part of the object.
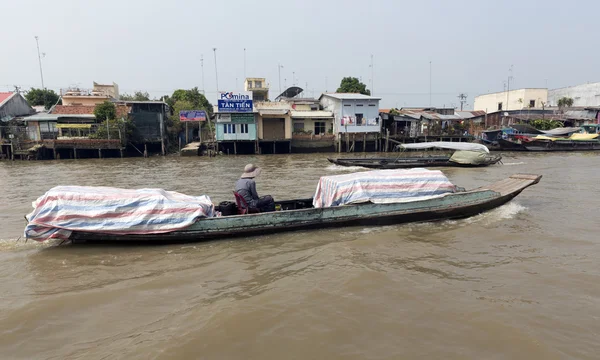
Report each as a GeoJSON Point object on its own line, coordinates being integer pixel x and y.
{"type": "Point", "coordinates": [246, 187]}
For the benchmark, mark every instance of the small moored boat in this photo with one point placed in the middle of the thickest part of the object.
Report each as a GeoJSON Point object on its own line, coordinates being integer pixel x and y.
{"type": "Point", "coordinates": [464, 155]}
{"type": "Point", "coordinates": [367, 198]}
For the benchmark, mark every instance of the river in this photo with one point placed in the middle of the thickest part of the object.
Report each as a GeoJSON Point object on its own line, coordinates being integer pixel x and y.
{"type": "Point", "coordinates": [520, 281]}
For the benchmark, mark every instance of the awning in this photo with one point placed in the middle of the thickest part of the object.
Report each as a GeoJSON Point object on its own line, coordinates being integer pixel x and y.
{"type": "Point", "coordinates": [73, 126]}
{"type": "Point", "coordinates": [320, 114]}
{"type": "Point", "coordinates": [264, 112]}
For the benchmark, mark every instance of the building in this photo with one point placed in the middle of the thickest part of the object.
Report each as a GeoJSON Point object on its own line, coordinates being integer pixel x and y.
{"type": "Point", "coordinates": [90, 97]}
{"type": "Point", "coordinates": [236, 132]}
{"type": "Point", "coordinates": [582, 95]}
{"type": "Point", "coordinates": [512, 100]}
{"type": "Point", "coordinates": [13, 105]}
{"type": "Point", "coordinates": [258, 87]}
{"type": "Point", "coordinates": [274, 126]}
{"type": "Point", "coordinates": [353, 113]}
{"type": "Point", "coordinates": [355, 116]}
{"type": "Point", "coordinates": [149, 119]}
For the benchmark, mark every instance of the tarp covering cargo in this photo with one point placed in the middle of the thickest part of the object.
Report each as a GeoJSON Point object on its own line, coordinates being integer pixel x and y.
{"type": "Point", "coordinates": [381, 186]}
{"type": "Point", "coordinates": [469, 157]}
{"type": "Point", "coordinates": [64, 209]}
{"type": "Point", "coordinates": [445, 145]}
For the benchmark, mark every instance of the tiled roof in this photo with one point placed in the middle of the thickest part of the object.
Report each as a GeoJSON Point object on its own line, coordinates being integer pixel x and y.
{"type": "Point", "coordinates": [73, 109]}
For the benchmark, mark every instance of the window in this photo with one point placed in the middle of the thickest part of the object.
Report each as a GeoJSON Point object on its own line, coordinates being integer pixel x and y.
{"type": "Point", "coordinates": [243, 128]}
{"type": "Point", "coordinates": [229, 128]}
{"type": "Point", "coordinates": [359, 119]}
{"type": "Point", "coordinates": [359, 104]}
{"type": "Point", "coordinates": [499, 106]}
{"type": "Point", "coordinates": [371, 104]}
{"type": "Point", "coordinates": [249, 84]}
{"type": "Point", "coordinates": [258, 84]}
{"type": "Point", "coordinates": [319, 127]}
{"type": "Point", "coordinates": [531, 103]}
{"type": "Point", "coordinates": [299, 126]}
{"type": "Point", "coordinates": [347, 105]}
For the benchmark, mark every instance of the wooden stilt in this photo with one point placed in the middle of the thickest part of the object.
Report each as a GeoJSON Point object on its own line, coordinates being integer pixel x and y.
{"type": "Point", "coordinates": [145, 150]}
{"type": "Point", "coordinates": [353, 142]}
{"type": "Point", "coordinates": [74, 153]}
{"type": "Point", "coordinates": [235, 148]}
{"type": "Point", "coordinates": [364, 149]}
{"type": "Point", "coordinates": [274, 147]}
{"type": "Point", "coordinates": [99, 153]}
{"type": "Point", "coordinates": [290, 143]}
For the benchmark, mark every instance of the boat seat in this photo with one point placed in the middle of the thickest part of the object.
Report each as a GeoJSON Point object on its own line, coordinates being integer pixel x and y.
{"type": "Point", "coordinates": [242, 205]}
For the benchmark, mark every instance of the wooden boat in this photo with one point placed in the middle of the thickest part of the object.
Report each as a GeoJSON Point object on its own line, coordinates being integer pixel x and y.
{"type": "Point", "coordinates": [481, 158]}
{"type": "Point", "coordinates": [300, 214]}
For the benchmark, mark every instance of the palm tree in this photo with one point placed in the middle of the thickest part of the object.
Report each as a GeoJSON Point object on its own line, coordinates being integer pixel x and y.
{"type": "Point", "coordinates": [564, 102]}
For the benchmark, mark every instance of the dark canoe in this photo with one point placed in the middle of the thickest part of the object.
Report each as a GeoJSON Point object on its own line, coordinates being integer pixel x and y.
{"type": "Point", "coordinates": [549, 145]}
{"type": "Point", "coordinates": [410, 162]}
{"type": "Point", "coordinates": [299, 214]}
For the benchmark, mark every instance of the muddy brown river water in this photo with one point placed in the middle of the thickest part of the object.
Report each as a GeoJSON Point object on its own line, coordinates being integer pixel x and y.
{"type": "Point", "coordinates": [521, 281]}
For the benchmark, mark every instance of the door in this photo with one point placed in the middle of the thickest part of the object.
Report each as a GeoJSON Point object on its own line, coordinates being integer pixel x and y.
{"type": "Point", "coordinates": [273, 129]}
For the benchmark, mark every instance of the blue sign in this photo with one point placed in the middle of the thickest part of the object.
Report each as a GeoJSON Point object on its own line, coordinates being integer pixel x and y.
{"type": "Point", "coordinates": [192, 115]}
{"type": "Point", "coordinates": [235, 102]}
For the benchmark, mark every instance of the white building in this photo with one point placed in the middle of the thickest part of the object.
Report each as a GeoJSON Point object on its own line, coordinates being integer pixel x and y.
{"type": "Point", "coordinates": [353, 113]}
{"type": "Point", "coordinates": [512, 100]}
{"type": "Point", "coordinates": [582, 95]}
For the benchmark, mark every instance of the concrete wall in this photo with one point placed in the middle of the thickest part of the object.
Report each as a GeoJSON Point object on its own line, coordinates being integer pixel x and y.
{"type": "Point", "coordinates": [15, 106]}
{"type": "Point", "coordinates": [221, 136]}
{"type": "Point", "coordinates": [309, 124]}
{"type": "Point", "coordinates": [489, 102]}
{"type": "Point", "coordinates": [582, 95]}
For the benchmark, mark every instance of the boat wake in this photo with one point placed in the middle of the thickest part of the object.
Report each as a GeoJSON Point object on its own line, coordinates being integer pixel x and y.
{"type": "Point", "coordinates": [512, 164]}
{"type": "Point", "coordinates": [504, 212]}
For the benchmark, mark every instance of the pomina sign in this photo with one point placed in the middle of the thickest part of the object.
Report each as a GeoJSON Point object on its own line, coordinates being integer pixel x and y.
{"type": "Point", "coordinates": [235, 101]}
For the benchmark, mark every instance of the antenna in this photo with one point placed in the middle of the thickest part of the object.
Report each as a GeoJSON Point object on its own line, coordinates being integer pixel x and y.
{"type": "Point", "coordinates": [216, 72]}
{"type": "Point", "coordinates": [40, 59]}
{"type": "Point", "coordinates": [202, 66]}
{"type": "Point", "coordinates": [462, 97]}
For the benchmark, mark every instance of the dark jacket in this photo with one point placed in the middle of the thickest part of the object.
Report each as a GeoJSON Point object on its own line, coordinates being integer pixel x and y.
{"type": "Point", "coordinates": [247, 189]}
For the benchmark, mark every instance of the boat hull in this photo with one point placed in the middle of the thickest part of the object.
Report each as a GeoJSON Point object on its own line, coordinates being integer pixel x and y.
{"type": "Point", "coordinates": [393, 163]}
{"type": "Point", "coordinates": [452, 206]}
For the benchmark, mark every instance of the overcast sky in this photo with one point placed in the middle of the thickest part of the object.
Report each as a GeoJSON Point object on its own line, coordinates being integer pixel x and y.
{"type": "Point", "coordinates": [156, 46]}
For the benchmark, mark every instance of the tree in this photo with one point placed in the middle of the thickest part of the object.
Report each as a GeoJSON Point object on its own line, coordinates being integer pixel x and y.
{"type": "Point", "coordinates": [193, 96]}
{"type": "Point", "coordinates": [564, 102]}
{"type": "Point", "coordinates": [137, 96]}
{"type": "Point", "coordinates": [105, 110]}
{"type": "Point", "coordinates": [353, 85]}
{"type": "Point", "coordinates": [37, 97]}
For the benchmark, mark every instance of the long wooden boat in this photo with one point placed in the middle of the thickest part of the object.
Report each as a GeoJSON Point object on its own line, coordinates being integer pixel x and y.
{"type": "Point", "coordinates": [480, 157]}
{"type": "Point", "coordinates": [410, 162]}
{"type": "Point", "coordinates": [299, 214]}
{"type": "Point", "coordinates": [549, 145]}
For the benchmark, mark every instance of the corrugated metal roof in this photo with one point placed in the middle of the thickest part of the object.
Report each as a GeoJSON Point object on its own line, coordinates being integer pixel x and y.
{"type": "Point", "coordinates": [55, 117]}
{"type": "Point", "coordinates": [470, 114]}
{"type": "Point", "coordinates": [320, 114]}
{"type": "Point", "coordinates": [349, 96]}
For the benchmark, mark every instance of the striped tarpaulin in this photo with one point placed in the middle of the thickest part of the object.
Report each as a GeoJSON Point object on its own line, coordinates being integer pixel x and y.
{"type": "Point", "coordinates": [64, 209]}
{"type": "Point", "coordinates": [382, 186]}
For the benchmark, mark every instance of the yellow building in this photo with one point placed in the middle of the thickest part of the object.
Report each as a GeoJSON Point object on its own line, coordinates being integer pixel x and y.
{"type": "Point", "coordinates": [258, 87]}
{"type": "Point", "coordinates": [511, 100]}
{"type": "Point", "coordinates": [99, 94]}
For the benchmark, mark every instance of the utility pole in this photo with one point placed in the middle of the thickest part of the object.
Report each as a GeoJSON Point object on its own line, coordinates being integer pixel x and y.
{"type": "Point", "coordinates": [462, 97]}
{"type": "Point", "coordinates": [202, 66]}
{"type": "Point", "coordinates": [40, 60]}
{"type": "Point", "coordinates": [372, 78]}
{"type": "Point", "coordinates": [293, 78]}
{"type": "Point", "coordinates": [244, 64]}
{"type": "Point", "coordinates": [279, 67]}
{"type": "Point", "coordinates": [216, 72]}
{"type": "Point", "coordinates": [508, 85]}
{"type": "Point", "coordinates": [429, 83]}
